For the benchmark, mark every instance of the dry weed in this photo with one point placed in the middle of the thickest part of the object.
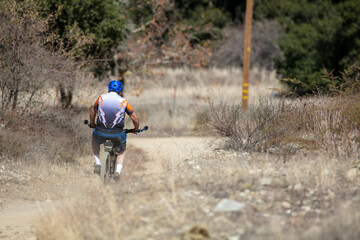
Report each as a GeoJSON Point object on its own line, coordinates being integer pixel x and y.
{"type": "Point", "coordinates": [319, 123]}
{"type": "Point", "coordinates": [283, 201]}
{"type": "Point", "coordinates": [185, 77]}
{"type": "Point", "coordinates": [179, 187]}
{"type": "Point", "coordinates": [260, 128]}
{"type": "Point", "coordinates": [344, 225]}
{"type": "Point", "coordinates": [50, 136]}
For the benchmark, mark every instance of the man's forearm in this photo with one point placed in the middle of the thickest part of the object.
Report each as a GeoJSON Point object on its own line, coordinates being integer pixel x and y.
{"type": "Point", "coordinates": [92, 116]}
{"type": "Point", "coordinates": [135, 119]}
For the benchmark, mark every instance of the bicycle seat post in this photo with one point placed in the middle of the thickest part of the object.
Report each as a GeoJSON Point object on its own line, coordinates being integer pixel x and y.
{"type": "Point", "coordinates": [108, 146]}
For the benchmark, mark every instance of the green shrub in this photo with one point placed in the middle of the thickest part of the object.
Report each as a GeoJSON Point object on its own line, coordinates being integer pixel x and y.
{"type": "Point", "coordinates": [319, 34]}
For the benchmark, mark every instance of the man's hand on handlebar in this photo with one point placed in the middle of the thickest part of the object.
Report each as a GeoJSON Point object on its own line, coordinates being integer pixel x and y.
{"type": "Point", "coordinates": [90, 125]}
{"type": "Point", "coordinates": [134, 131]}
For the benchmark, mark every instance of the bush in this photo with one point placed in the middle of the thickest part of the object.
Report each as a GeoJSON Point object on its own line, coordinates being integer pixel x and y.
{"type": "Point", "coordinates": [330, 125]}
{"type": "Point", "coordinates": [50, 136]}
{"type": "Point", "coordinates": [260, 128]}
{"type": "Point", "coordinates": [347, 83]}
{"type": "Point", "coordinates": [325, 121]}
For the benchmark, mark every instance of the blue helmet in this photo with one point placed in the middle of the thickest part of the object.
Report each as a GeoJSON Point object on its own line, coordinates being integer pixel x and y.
{"type": "Point", "coordinates": [115, 86]}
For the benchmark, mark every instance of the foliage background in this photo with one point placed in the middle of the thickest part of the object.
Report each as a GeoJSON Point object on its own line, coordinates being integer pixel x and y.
{"type": "Point", "coordinates": [301, 39]}
{"type": "Point", "coordinates": [304, 41]}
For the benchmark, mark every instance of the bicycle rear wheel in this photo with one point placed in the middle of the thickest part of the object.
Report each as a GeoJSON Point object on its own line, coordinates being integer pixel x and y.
{"type": "Point", "coordinates": [107, 169]}
{"type": "Point", "coordinates": [104, 171]}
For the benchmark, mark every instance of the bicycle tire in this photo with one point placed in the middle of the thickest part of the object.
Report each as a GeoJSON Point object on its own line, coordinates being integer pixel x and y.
{"type": "Point", "coordinates": [107, 169]}
{"type": "Point", "coordinates": [104, 169]}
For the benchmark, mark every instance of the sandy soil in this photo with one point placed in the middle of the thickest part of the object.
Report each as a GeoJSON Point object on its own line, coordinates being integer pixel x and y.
{"type": "Point", "coordinates": [159, 150]}
{"type": "Point", "coordinates": [22, 202]}
{"type": "Point", "coordinates": [16, 219]}
{"type": "Point", "coordinates": [270, 197]}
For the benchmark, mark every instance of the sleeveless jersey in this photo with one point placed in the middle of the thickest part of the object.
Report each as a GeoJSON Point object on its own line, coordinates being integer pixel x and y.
{"type": "Point", "coordinates": [111, 110]}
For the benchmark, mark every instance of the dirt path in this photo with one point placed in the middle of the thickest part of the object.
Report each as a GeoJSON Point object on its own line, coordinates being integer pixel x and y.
{"type": "Point", "coordinates": [161, 150]}
{"type": "Point", "coordinates": [15, 221]}
{"type": "Point", "coordinates": [22, 203]}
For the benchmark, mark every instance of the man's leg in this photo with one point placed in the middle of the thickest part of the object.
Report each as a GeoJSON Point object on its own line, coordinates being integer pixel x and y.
{"type": "Point", "coordinates": [96, 151]}
{"type": "Point", "coordinates": [120, 162]}
{"type": "Point", "coordinates": [119, 165]}
{"type": "Point", "coordinates": [121, 157]}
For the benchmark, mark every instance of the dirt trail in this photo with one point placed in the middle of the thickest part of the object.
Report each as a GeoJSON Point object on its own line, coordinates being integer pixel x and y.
{"type": "Point", "coordinates": [15, 221]}
{"type": "Point", "coordinates": [23, 203]}
{"type": "Point", "coordinates": [160, 150]}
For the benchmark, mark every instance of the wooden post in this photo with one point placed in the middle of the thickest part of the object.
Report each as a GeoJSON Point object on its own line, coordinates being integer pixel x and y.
{"type": "Point", "coordinates": [247, 49]}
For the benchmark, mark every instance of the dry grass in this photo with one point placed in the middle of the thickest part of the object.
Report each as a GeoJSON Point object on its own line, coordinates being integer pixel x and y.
{"type": "Point", "coordinates": [341, 226]}
{"type": "Point", "coordinates": [317, 123]}
{"type": "Point", "coordinates": [299, 196]}
{"type": "Point", "coordinates": [152, 94]}
{"type": "Point", "coordinates": [170, 188]}
{"type": "Point", "coordinates": [168, 77]}
{"type": "Point", "coordinates": [39, 141]}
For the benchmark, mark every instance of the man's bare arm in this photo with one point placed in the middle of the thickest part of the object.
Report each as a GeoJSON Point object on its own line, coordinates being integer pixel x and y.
{"type": "Point", "coordinates": [135, 119]}
{"type": "Point", "coordinates": [93, 113]}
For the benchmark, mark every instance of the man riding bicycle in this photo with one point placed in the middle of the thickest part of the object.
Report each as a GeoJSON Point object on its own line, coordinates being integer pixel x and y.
{"type": "Point", "coordinates": [110, 109]}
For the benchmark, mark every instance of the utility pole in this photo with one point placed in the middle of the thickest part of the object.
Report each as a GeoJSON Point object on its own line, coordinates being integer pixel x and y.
{"type": "Point", "coordinates": [247, 49]}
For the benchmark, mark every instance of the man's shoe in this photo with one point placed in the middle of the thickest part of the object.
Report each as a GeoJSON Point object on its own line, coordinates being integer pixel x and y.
{"type": "Point", "coordinates": [97, 168]}
{"type": "Point", "coordinates": [117, 176]}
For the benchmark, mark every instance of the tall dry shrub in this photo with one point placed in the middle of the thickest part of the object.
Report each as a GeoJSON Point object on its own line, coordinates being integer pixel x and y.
{"type": "Point", "coordinates": [19, 47]}
{"type": "Point", "coordinates": [326, 120]}
{"type": "Point", "coordinates": [317, 123]}
{"type": "Point", "coordinates": [333, 121]}
{"type": "Point", "coordinates": [27, 65]}
{"type": "Point", "coordinates": [262, 127]}
{"type": "Point", "coordinates": [53, 136]}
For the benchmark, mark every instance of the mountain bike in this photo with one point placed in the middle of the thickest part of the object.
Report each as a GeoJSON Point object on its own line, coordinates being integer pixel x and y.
{"type": "Point", "coordinates": [108, 160]}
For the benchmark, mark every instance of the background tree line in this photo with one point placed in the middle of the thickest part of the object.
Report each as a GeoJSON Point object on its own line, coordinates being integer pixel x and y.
{"type": "Point", "coordinates": [306, 41]}
{"type": "Point", "coordinates": [319, 36]}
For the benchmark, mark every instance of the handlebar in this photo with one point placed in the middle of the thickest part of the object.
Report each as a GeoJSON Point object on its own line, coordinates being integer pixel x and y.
{"type": "Point", "coordinates": [124, 130]}
{"type": "Point", "coordinates": [132, 130]}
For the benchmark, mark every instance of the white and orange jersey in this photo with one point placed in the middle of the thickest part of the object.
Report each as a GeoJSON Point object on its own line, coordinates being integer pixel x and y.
{"type": "Point", "coordinates": [111, 110]}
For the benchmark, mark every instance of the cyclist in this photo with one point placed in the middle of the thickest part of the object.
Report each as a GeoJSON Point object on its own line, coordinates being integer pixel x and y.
{"type": "Point", "coordinates": [110, 109]}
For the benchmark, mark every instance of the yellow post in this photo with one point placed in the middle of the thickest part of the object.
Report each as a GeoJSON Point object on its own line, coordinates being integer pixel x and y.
{"type": "Point", "coordinates": [247, 49]}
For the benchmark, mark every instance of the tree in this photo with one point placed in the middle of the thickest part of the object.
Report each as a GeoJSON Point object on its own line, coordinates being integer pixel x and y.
{"type": "Point", "coordinates": [103, 20]}
{"type": "Point", "coordinates": [318, 35]}
{"type": "Point", "coordinates": [348, 35]}
{"type": "Point", "coordinates": [164, 40]}
{"type": "Point", "coordinates": [26, 65]}
{"type": "Point", "coordinates": [228, 7]}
